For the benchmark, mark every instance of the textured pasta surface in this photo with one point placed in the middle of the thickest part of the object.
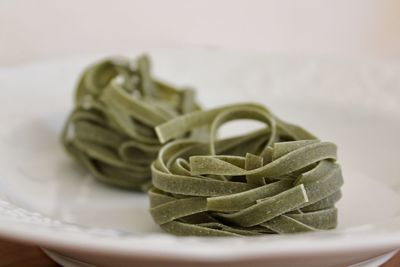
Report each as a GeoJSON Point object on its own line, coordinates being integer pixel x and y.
{"type": "Point", "coordinates": [111, 128]}
{"type": "Point", "coordinates": [275, 180]}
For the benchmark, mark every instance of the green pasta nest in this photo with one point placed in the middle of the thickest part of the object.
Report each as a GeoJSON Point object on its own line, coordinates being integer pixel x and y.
{"type": "Point", "coordinates": [279, 179]}
{"type": "Point", "coordinates": [111, 129]}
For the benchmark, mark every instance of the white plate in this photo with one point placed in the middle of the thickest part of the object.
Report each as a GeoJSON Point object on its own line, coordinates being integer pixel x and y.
{"type": "Point", "coordinates": [45, 198]}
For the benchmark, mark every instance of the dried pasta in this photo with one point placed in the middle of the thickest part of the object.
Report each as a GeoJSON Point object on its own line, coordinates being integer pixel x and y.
{"type": "Point", "coordinates": [111, 129]}
{"type": "Point", "coordinates": [279, 179]}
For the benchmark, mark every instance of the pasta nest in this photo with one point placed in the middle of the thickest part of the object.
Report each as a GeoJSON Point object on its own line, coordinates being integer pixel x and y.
{"type": "Point", "coordinates": [275, 180]}
{"type": "Point", "coordinates": [111, 128]}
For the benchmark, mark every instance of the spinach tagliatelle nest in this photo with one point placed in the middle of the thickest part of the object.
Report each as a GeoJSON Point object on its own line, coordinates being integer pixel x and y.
{"type": "Point", "coordinates": [279, 179]}
{"type": "Point", "coordinates": [111, 129]}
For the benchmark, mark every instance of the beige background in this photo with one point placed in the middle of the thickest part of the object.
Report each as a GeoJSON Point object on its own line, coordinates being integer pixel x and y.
{"type": "Point", "coordinates": [31, 30]}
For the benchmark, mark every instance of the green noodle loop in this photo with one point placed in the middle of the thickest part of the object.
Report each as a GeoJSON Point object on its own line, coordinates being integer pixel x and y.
{"type": "Point", "coordinates": [279, 179]}
{"type": "Point", "coordinates": [111, 129]}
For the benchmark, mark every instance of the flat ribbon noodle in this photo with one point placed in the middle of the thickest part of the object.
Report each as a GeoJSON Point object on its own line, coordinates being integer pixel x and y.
{"type": "Point", "coordinates": [279, 179]}
{"type": "Point", "coordinates": [111, 128]}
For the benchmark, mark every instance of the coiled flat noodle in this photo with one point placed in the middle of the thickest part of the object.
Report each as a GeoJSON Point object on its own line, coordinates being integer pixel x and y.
{"type": "Point", "coordinates": [111, 129]}
{"type": "Point", "coordinates": [279, 179]}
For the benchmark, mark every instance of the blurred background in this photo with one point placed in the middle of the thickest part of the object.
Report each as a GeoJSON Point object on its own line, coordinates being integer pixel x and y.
{"type": "Point", "coordinates": [32, 30]}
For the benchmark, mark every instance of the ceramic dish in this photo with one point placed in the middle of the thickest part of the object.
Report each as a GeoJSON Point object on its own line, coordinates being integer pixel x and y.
{"type": "Point", "coordinates": [46, 199]}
